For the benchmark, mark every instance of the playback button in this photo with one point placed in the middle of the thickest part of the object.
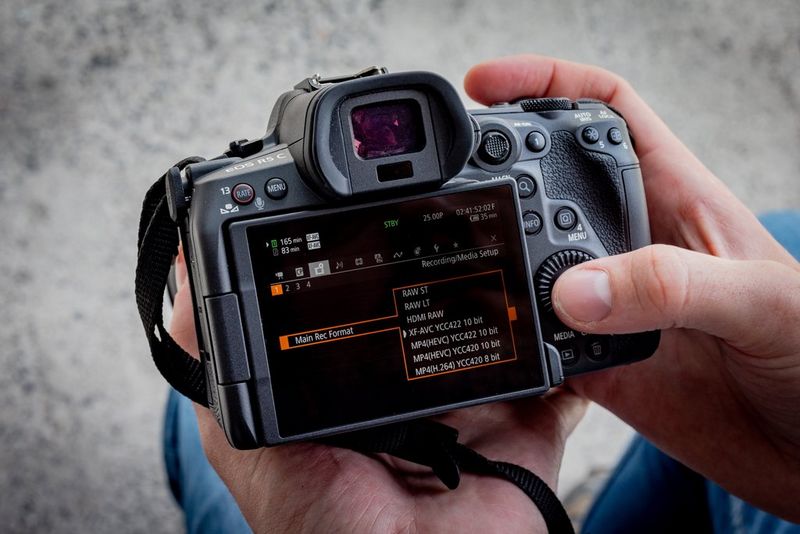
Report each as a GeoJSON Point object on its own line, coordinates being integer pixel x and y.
{"type": "Point", "coordinates": [276, 188]}
{"type": "Point", "coordinates": [568, 357]}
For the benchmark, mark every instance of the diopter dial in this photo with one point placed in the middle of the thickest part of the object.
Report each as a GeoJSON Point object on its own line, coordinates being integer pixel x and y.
{"type": "Point", "coordinates": [551, 269]}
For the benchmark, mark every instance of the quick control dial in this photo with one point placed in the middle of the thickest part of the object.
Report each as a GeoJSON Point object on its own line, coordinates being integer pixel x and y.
{"type": "Point", "coordinates": [551, 269]}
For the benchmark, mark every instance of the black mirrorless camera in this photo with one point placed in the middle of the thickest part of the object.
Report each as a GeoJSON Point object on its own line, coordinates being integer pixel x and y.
{"type": "Point", "coordinates": [382, 254]}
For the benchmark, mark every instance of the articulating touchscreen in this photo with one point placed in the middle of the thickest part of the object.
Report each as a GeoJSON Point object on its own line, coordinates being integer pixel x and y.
{"type": "Point", "coordinates": [395, 308]}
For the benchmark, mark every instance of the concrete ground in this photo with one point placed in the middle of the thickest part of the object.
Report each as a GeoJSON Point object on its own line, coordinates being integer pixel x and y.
{"type": "Point", "coordinates": [98, 98]}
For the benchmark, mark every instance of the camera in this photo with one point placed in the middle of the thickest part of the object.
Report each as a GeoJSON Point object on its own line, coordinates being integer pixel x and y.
{"type": "Point", "coordinates": [382, 254]}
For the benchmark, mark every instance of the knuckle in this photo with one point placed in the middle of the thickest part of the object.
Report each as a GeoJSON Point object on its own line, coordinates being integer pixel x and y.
{"type": "Point", "coordinates": [618, 82]}
{"type": "Point", "coordinates": [702, 214]}
{"type": "Point", "coordinates": [662, 282]}
{"type": "Point", "coordinates": [615, 86]}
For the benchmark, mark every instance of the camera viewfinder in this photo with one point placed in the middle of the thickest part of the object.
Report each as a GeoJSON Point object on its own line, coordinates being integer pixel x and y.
{"type": "Point", "coordinates": [387, 129]}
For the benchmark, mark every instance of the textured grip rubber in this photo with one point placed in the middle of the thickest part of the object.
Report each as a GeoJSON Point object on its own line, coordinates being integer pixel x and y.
{"type": "Point", "coordinates": [590, 180]}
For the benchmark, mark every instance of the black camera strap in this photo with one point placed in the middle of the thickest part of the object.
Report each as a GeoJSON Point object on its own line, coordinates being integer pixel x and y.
{"type": "Point", "coordinates": [421, 441]}
{"type": "Point", "coordinates": [435, 445]}
{"type": "Point", "coordinates": [157, 247]}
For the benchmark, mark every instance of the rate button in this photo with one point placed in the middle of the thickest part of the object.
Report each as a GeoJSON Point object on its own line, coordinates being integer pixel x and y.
{"type": "Point", "coordinates": [243, 194]}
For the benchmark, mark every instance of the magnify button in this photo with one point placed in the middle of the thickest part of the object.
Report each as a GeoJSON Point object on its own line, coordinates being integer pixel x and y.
{"type": "Point", "coordinates": [526, 187]}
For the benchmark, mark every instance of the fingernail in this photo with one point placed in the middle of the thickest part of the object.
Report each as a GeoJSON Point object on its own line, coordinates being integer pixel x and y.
{"type": "Point", "coordinates": [584, 295]}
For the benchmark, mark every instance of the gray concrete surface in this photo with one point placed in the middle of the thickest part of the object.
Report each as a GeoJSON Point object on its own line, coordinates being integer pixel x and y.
{"type": "Point", "coordinates": [98, 98]}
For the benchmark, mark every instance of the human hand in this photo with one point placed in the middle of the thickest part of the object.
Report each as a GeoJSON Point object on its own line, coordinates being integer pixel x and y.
{"type": "Point", "coordinates": [722, 393]}
{"type": "Point", "coordinates": [309, 487]}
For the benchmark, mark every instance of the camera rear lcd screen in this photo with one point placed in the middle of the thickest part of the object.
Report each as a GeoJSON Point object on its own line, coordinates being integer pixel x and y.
{"type": "Point", "coordinates": [379, 311]}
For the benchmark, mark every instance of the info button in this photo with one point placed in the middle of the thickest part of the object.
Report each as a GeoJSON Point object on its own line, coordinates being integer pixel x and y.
{"type": "Point", "coordinates": [532, 222]}
{"type": "Point", "coordinates": [276, 188]}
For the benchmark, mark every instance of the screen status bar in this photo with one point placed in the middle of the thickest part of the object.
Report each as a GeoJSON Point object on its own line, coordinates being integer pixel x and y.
{"type": "Point", "coordinates": [293, 252]}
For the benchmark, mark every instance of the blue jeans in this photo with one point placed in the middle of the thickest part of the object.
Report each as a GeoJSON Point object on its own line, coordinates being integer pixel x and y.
{"type": "Point", "coordinates": [208, 507]}
{"type": "Point", "coordinates": [648, 491]}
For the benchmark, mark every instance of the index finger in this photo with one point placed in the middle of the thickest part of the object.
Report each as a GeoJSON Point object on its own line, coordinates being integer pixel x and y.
{"type": "Point", "coordinates": [514, 77]}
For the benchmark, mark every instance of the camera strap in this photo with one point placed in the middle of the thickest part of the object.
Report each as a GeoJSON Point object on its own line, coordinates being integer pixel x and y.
{"type": "Point", "coordinates": [157, 247]}
{"type": "Point", "coordinates": [421, 441]}
{"type": "Point", "coordinates": [436, 445]}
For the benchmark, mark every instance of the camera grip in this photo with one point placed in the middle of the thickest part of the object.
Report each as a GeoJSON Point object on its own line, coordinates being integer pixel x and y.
{"type": "Point", "coordinates": [589, 179]}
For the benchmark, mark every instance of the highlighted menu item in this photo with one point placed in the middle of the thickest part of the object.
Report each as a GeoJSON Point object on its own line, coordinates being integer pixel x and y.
{"type": "Point", "coordinates": [455, 324]}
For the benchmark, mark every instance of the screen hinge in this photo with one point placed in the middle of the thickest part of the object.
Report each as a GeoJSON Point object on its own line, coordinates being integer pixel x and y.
{"type": "Point", "coordinates": [554, 368]}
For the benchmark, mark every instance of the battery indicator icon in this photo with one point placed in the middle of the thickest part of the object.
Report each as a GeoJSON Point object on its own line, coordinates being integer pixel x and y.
{"type": "Point", "coordinates": [474, 218]}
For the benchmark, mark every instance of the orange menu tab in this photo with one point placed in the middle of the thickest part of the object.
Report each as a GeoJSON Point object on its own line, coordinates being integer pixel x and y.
{"type": "Point", "coordinates": [338, 332]}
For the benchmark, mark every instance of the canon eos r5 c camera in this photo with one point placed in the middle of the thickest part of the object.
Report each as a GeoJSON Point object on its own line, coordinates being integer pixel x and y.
{"type": "Point", "coordinates": [381, 254]}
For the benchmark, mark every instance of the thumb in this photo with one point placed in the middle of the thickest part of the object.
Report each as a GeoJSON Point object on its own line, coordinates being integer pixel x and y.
{"type": "Point", "coordinates": [750, 304]}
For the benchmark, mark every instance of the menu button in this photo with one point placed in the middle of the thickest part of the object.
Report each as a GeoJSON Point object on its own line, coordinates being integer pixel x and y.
{"type": "Point", "coordinates": [276, 188]}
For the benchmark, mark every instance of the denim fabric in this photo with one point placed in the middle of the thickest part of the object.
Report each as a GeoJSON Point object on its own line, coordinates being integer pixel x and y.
{"type": "Point", "coordinates": [651, 492]}
{"type": "Point", "coordinates": [208, 506]}
{"type": "Point", "coordinates": [785, 227]}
